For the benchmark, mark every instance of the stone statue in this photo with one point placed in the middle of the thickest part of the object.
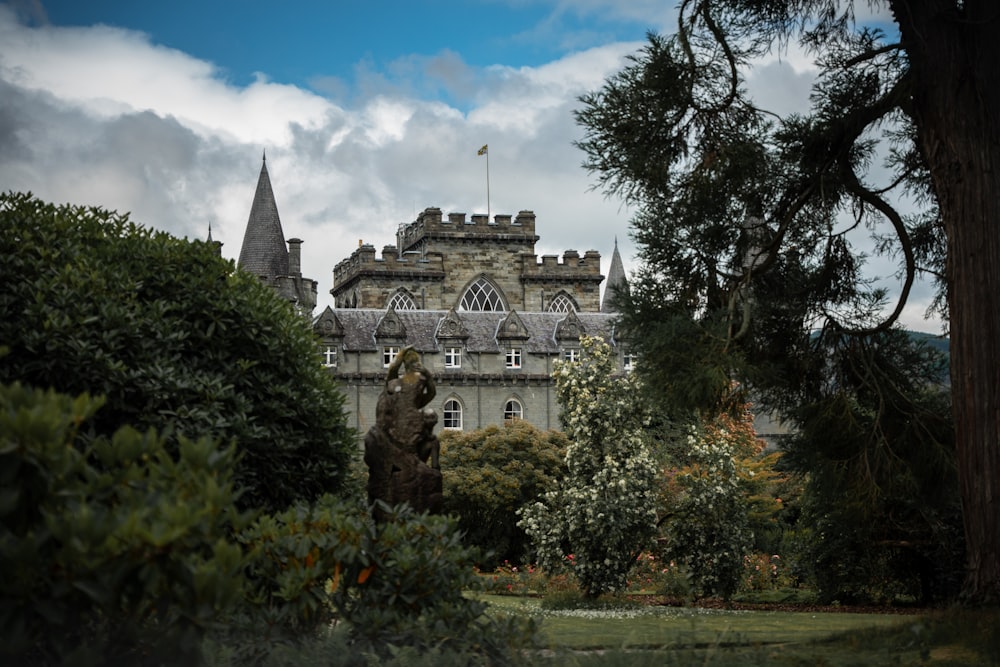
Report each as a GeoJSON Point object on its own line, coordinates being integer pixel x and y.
{"type": "Point", "coordinates": [400, 445]}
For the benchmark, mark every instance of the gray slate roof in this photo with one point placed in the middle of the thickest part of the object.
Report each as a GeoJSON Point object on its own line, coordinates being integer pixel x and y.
{"type": "Point", "coordinates": [359, 326]}
{"type": "Point", "coordinates": [264, 252]}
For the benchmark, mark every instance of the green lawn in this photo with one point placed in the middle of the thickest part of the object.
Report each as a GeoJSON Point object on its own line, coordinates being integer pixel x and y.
{"type": "Point", "coordinates": [680, 636]}
{"type": "Point", "coordinates": [682, 626]}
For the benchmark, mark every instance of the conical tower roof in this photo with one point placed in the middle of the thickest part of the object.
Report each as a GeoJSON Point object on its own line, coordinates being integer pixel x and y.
{"type": "Point", "coordinates": [616, 281]}
{"type": "Point", "coordinates": [264, 252]}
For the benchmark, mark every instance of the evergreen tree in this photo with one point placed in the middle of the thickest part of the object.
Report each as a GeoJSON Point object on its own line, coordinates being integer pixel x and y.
{"type": "Point", "coordinates": [173, 338]}
{"type": "Point", "coordinates": [749, 224]}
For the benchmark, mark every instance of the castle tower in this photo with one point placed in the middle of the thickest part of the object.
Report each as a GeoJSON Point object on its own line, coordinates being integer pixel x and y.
{"type": "Point", "coordinates": [617, 282]}
{"type": "Point", "coordinates": [265, 254]}
{"type": "Point", "coordinates": [441, 262]}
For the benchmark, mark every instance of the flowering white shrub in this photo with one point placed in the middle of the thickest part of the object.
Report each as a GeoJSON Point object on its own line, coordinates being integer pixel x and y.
{"type": "Point", "coordinates": [603, 514]}
{"type": "Point", "coordinates": [709, 530]}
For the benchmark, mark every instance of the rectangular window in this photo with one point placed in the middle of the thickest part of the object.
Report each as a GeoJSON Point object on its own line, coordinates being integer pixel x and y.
{"type": "Point", "coordinates": [330, 357]}
{"type": "Point", "coordinates": [628, 361]}
{"type": "Point", "coordinates": [389, 353]}
{"type": "Point", "coordinates": [452, 357]}
{"type": "Point", "coordinates": [571, 355]}
{"type": "Point", "coordinates": [513, 357]}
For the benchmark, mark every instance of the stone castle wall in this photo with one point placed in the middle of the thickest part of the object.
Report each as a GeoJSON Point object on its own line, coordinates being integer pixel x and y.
{"type": "Point", "coordinates": [483, 388]}
{"type": "Point", "coordinates": [437, 257]}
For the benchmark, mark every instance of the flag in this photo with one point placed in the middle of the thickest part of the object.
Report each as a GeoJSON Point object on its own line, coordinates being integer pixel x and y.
{"type": "Point", "coordinates": [483, 150]}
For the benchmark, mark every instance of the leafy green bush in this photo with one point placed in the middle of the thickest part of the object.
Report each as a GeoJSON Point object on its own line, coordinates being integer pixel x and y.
{"type": "Point", "coordinates": [709, 526]}
{"type": "Point", "coordinates": [114, 552]}
{"type": "Point", "coordinates": [175, 339]}
{"type": "Point", "coordinates": [603, 514]}
{"type": "Point", "coordinates": [492, 472]}
{"type": "Point", "coordinates": [387, 587]}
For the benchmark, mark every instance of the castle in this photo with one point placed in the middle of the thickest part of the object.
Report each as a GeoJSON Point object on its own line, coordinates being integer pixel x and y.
{"type": "Point", "coordinates": [488, 316]}
{"type": "Point", "coordinates": [264, 253]}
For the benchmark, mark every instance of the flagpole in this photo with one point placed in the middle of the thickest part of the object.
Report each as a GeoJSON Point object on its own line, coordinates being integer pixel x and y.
{"type": "Point", "coordinates": [485, 150]}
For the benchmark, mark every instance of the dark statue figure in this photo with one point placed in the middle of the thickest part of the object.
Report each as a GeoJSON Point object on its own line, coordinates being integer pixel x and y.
{"type": "Point", "coordinates": [400, 445]}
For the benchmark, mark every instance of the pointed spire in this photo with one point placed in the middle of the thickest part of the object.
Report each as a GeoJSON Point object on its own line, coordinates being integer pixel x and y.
{"type": "Point", "coordinates": [616, 282]}
{"type": "Point", "coordinates": [209, 231]}
{"type": "Point", "coordinates": [264, 252]}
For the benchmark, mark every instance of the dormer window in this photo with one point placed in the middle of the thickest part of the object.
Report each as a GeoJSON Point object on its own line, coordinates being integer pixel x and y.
{"type": "Point", "coordinates": [629, 360]}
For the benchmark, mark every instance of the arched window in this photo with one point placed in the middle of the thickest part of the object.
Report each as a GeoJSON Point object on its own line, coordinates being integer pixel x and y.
{"type": "Point", "coordinates": [401, 300]}
{"type": "Point", "coordinates": [513, 410]}
{"type": "Point", "coordinates": [482, 295]}
{"type": "Point", "coordinates": [452, 415]}
{"type": "Point", "coordinates": [562, 303]}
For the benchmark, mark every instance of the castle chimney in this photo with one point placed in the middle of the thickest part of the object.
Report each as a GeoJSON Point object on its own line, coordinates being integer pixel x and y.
{"type": "Point", "coordinates": [295, 257]}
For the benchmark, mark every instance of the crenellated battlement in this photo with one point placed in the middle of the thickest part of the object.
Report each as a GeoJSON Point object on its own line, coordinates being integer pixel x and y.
{"type": "Point", "coordinates": [439, 257]}
{"type": "Point", "coordinates": [572, 267]}
{"type": "Point", "coordinates": [432, 224]}
{"type": "Point", "coordinates": [364, 261]}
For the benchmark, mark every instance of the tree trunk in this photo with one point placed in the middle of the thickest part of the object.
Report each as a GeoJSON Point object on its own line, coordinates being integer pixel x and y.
{"type": "Point", "coordinates": [955, 62]}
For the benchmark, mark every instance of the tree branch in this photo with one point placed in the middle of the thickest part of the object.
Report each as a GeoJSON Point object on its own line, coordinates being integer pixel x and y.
{"type": "Point", "coordinates": [720, 39]}
{"type": "Point", "coordinates": [855, 187]}
{"type": "Point", "coordinates": [868, 55]}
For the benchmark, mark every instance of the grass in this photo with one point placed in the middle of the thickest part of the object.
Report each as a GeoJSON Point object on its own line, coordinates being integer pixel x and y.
{"type": "Point", "coordinates": [637, 635]}
{"type": "Point", "coordinates": [639, 626]}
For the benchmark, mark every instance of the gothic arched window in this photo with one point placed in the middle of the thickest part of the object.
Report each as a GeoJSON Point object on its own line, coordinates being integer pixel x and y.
{"type": "Point", "coordinates": [401, 300]}
{"type": "Point", "coordinates": [562, 303]}
{"type": "Point", "coordinates": [513, 410]}
{"type": "Point", "coordinates": [482, 295]}
{"type": "Point", "coordinates": [452, 414]}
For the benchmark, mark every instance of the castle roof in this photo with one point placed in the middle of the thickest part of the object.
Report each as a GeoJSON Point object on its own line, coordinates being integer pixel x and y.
{"type": "Point", "coordinates": [616, 281]}
{"type": "Point", "coordinates": [481, 329]}
{"type": "Point", "coordinates": [264, 252]}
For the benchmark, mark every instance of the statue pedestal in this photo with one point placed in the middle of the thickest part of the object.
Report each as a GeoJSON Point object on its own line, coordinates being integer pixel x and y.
{"type": "Point", "coordinates": [396, 476]}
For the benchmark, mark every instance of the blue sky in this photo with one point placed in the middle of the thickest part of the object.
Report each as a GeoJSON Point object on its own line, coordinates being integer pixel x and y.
{"type": "Point", "coordinates": [333, 48]}
{"type": "Point", "coordinates": [369, 113]}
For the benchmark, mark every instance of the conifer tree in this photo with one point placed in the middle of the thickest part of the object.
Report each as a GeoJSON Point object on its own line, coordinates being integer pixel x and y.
{"type": "Point", "coordinates": [748, 223]}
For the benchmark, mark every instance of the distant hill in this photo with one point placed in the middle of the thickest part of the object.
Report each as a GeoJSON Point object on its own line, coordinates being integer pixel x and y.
{"type": "Point", "coordinates": [938, 342]}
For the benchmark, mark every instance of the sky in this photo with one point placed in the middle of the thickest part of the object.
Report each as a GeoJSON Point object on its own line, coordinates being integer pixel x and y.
{"type": "Point", "coordinates": [369, 112]}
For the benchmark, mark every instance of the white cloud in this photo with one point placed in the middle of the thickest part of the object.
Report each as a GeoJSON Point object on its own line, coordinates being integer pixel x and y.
{"type": "Point", "coordinates": [103, 116]}
{"type": "Point", "coordinates": [110, 71]}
